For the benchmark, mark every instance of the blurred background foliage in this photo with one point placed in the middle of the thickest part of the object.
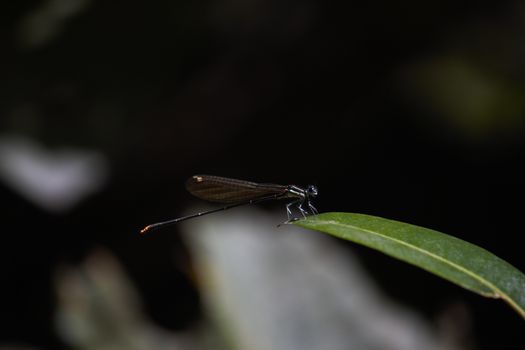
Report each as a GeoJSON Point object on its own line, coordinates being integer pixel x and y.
{"type": "Point", "coordinates": [410, 110]}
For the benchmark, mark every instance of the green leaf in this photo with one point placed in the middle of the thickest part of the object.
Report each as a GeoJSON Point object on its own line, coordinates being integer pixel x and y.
{"type": "Point", "coordinates": [451, 258]}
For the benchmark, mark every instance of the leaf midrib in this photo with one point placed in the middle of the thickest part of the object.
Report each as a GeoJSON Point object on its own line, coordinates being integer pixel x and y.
{"type": "Point", "coordinates": [497, 293]}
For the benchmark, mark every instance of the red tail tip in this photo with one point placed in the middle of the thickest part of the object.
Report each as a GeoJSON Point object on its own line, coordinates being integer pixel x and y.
{"type": "Point", "coordinates": [145, 229]}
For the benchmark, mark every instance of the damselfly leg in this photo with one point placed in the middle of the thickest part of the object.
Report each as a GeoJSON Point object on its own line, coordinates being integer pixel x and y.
{"type": "Point", "coordinates": [301, 209]}
{"type": "Point", "coordinates": [299, 205]}
{"type": "Point", "coordinates": [312, 208]}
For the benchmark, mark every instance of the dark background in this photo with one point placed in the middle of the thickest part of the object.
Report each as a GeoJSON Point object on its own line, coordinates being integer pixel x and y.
{"type": "Point", "coordinates": [408, 110]}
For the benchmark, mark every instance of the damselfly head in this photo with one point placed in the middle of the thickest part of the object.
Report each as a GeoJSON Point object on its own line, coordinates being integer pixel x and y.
{"type": "Point", "coordinates": [311, 191]}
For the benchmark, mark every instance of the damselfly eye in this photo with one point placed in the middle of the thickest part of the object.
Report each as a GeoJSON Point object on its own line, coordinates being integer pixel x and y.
{"type": "Point", "coordinates": [312, 191]}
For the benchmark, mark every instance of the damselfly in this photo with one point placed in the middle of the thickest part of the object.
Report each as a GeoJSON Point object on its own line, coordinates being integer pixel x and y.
{"type": "Point", "coordinates": [235, 193]}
